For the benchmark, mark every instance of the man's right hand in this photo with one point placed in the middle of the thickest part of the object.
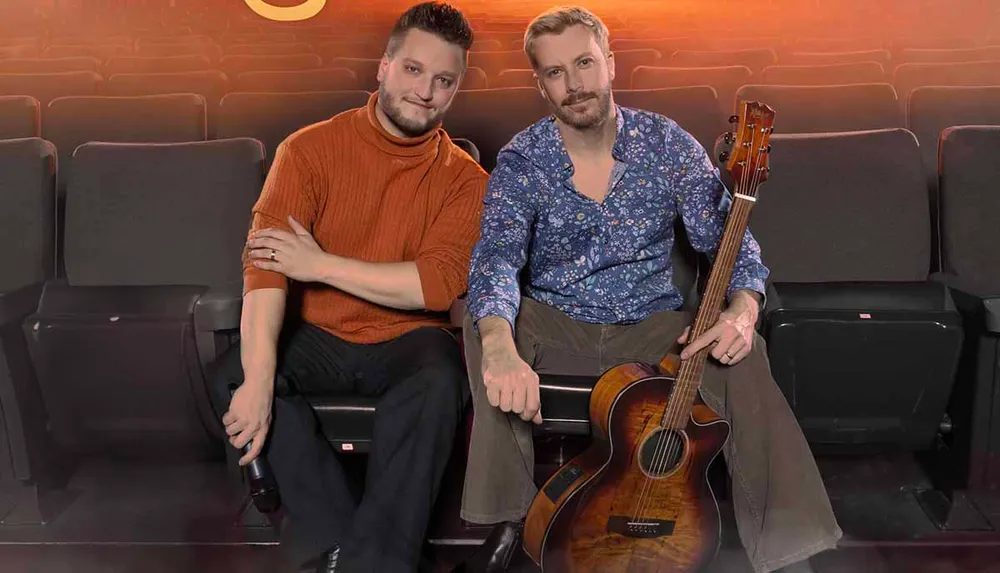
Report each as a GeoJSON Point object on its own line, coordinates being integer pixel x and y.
{"type": "Point", "coordinates": [249, 417]}
{"type": "Point", "coordinates": [511, 384]}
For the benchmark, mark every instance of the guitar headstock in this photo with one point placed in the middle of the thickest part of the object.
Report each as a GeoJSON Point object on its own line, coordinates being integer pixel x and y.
{"type": "Point", "coordinates": [749, 158]}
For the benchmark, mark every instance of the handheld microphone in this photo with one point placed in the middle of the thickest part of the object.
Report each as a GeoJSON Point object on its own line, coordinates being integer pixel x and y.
{"type": "Point", "coordinates": [260, 480]}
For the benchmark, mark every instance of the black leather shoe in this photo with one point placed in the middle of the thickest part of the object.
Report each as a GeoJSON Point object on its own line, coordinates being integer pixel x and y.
{"type": "Point", "coordinates": [496, 552]}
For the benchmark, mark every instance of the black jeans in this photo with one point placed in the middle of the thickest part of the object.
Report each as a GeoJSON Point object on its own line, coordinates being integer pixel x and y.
{"type": "Point", "coordinates": [421, 381]}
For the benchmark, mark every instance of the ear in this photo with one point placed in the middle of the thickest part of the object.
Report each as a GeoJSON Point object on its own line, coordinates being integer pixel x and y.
{"type": "Point", "coordinates": [611, 65]}
{"type": "Point", "coordinates": [383, 65]}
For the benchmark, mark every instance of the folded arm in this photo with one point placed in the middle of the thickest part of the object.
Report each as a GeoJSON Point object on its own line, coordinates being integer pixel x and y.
{"type": "Point", "coordinates": [432, 281]}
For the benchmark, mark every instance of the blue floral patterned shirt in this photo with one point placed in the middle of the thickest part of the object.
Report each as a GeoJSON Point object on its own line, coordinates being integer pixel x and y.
{"type": "Point", "coordinates": [603, 262]}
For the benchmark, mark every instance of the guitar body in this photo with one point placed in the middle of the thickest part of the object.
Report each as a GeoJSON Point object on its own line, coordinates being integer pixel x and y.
{"type": "Point", "coordinates": [638, 499]}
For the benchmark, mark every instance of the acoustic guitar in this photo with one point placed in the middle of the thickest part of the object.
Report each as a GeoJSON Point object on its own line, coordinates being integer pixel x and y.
{"type": "Point", "coordinates": [637, 500]}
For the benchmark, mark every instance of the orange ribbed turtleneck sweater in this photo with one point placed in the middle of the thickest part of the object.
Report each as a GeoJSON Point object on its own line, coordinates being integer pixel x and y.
{"type": "Point", "coordinates": [368, 195]}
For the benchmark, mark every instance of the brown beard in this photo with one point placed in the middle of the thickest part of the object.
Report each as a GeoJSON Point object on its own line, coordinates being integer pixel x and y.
{"type": "Point", "coordinates": [603, 109]}
{"type": "Point", "coordinates": [390, 106]}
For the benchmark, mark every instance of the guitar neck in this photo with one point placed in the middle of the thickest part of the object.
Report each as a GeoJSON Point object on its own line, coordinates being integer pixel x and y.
{"type": "Point", "coordinates": [748, 164]}
{"type": "Point", "coordinates": [689, 375]}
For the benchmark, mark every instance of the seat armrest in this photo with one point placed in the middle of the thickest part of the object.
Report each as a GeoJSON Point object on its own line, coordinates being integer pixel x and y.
{"type": "Point", "coordinates": [17, 304]}
{"type": "Point", "coordinates": [973, 298]}
{"type": "Point", "coordinates": [925, 296]}
{"type": "Point", "coordinates": [219, 309]}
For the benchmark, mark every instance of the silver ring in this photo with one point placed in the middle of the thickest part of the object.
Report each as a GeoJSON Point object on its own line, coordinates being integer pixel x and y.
{"type": "Point", "coordinates": [273, 254]}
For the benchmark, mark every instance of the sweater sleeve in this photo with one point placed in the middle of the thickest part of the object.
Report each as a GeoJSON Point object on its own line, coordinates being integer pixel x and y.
{"type": "Point", "coordinates": [443, 260]}
{"type": "Point", "coordinates": [288, 190]}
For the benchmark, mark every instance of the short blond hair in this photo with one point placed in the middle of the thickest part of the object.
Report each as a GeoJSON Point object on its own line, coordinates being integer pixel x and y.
{"type": "Point", "coordinates": [557, 20]}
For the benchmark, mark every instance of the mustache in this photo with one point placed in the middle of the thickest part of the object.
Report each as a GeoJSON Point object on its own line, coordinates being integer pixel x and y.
{"type": "Point", "coordinates": [579, 97]}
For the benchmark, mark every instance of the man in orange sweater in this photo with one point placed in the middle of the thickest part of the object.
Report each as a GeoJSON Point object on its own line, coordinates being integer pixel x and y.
{"type": "Point", "coordinates": [373, 214]}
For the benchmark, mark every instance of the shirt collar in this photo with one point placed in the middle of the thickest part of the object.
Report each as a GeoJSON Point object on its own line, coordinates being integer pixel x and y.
{"type": "Point", "coordinates": [548, 151]}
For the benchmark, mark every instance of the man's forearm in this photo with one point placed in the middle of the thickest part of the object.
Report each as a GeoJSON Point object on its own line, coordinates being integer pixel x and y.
{"type": "Point", "coordinates": [260, 326]}
{"type": "Point", "coordinates": [395, 285]}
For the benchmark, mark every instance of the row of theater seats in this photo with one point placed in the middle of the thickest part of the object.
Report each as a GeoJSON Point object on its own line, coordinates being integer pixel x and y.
{"type": "Point", "coordinates": [71, 121]}
{"type": "Point", "coordinates": [270, 117]}
{"type": "Point", "coordinates": [111, 358]}
{"type": "Point", "coordinates": [635, 68]}
{"type": "Point", "coordinates": [327, 40]}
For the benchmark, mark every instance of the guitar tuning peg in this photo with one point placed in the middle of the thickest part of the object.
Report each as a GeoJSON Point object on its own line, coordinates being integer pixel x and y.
{"type": "Point", "coordinates": [769, 148]}
{"type": "Point", "coordinates": [734, 119]}
{"type": "Point", "coordinates": [724, 156]}
{"type": "Point", "coordinates": [728, 138]}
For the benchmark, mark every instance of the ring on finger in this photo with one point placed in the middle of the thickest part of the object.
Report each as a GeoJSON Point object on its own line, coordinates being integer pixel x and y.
{"type": "Point", "coordinates": [273, 254]}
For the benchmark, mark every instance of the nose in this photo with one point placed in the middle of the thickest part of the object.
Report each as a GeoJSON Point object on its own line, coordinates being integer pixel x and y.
{"type": "Point", "coordinates": [425, 88]}
{"type": "Point", "coordinates": [573, 83]}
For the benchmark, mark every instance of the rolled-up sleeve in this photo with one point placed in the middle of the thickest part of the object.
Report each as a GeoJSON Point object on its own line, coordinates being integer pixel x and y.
{"type": "Point", "coordinates": [443, 259]}
{"type": "Point", "coordinates": [288, 190]}
{"type": "Point", "coordinates": [501, 252]}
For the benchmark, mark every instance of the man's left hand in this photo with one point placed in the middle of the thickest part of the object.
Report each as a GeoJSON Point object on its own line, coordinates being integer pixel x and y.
{"type": "Point", "coordinates": [296, 255]}
{"type": "Point", "coordinates": [732, 335]}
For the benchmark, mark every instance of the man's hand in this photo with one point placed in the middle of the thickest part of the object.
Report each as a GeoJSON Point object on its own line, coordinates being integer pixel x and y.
{"type": "Point", "coordinates": [732, 335]}
{"type": "Point", "coordinates": [249, 417]}
{"type": "Point", "coordinates": [510, 383]}
{"type": "Point", "coordinates": [296, 255]}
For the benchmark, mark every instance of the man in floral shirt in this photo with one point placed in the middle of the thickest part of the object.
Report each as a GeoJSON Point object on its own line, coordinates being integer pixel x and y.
{"type": "Point", "coordinates": [573, 275]}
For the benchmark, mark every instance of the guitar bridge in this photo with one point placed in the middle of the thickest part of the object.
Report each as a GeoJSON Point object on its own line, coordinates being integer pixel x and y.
{"type": "Point", "coordinates": [640, 527]}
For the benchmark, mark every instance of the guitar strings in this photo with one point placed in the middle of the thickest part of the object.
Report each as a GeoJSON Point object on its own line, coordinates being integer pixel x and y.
{"type": "Point", "coordinates": [662, 455]}
{"type": "Point", "coordinates": [662, 452]}
{"type": "Point", "coordinates": [732, 248]}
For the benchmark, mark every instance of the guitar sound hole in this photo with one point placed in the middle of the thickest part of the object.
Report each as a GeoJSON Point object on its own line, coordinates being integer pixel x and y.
{"type": "Point", "coordinates": [662, 450]}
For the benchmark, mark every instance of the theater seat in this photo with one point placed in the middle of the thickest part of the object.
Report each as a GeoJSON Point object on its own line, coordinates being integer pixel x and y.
{"type": "Point", "coordinates": [931, 110]}
{"type": "Point", "coordinates": [27, 227]}
{"type": "Point", "coordinates": [970, 245]}
{"type": "Point", "coordinates": [829, 74]}
{"type": "Point", "coordinates": [46, 87]}
{"type": "Point", "coordinates": [726, 80]}
{"type": "Point", "coordinates": [289, 81]}
{"type": "Point", "coordinates": [694, 108]}
{"type": "Point", "coordinates": [862, 343]}
{"type": "Point", "coordinates": [74, 120]}
{"type": "Point", "coordinates": [271, 117]}
{"type": "Point", "coordinates": [20, 116]}
{"type": "Point", "coordinates": [154, 234]}
{"type": "Point", "coordinates": [49, 65]}
{"type": "Point", "coordinates": [511, 110]}
{"type": "Point", "coordinates": [807, 58]}
{"type": "Point", "coordinates": [210, 84]}
{"type": "Point", "coordinates": [468, 147]}
{"type": "Point", "coordinates": [156, 65]}
{"type": "Point", "coordinates": [828, 108]}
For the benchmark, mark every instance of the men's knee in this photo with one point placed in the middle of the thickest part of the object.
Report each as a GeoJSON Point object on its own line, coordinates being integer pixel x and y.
{"type": "Point", "coordinates": [446, 384]}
